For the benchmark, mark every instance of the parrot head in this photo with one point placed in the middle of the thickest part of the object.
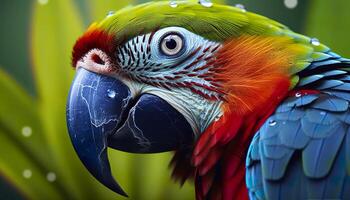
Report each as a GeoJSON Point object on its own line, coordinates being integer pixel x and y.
{"type": "Point", "coordinates": [156, 78]}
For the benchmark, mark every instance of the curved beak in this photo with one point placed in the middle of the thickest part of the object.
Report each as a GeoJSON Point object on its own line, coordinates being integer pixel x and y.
{"type": "Point", "coordinates": [101, 113]}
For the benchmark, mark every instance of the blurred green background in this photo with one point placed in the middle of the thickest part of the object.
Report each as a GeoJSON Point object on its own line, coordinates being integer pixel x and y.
{"type": "Point", "coordinates": [37, 160]}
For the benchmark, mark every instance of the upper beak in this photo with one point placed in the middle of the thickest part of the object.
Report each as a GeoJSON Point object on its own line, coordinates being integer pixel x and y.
{"type": "Point", "coordinates": [101, 112]}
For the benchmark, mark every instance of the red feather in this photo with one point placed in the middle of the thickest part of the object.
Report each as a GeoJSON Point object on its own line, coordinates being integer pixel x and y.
{"type": "Point", "coordinates": [93, 38]}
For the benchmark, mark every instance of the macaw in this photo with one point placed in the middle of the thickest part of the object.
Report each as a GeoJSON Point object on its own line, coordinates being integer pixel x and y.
{"type": "Point", "coordinates": [251, 109]}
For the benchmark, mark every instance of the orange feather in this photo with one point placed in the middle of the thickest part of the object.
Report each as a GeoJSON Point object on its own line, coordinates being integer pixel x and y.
{"type": "Point", "coordinates": [251, 68]}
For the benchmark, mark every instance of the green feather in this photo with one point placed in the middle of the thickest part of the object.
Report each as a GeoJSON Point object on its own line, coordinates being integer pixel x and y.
{"type": "Point", "coordinates": [217, 23]}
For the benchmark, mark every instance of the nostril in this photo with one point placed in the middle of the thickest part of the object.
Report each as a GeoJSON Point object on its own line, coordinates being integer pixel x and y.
{"type": "Point", "coordinates": [97, 59]}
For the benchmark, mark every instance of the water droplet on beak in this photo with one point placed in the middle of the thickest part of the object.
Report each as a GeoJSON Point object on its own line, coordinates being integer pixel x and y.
{"type": "Point", "coordinates": [111, 94]}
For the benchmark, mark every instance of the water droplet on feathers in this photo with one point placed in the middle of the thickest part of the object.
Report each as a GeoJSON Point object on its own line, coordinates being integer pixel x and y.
{"type": "Point", "coordinates": [173, 4]}
{"type": "Point", "coordinates": [272, 122]}
{"type": "Point", "coordinates": [206, 3]}
{"type": "Point", "coordinates": [241, 6]}
{"type": "Point", "coordinates": [315, 42]}
{"type": "Point", "coordinates": [110, 13]}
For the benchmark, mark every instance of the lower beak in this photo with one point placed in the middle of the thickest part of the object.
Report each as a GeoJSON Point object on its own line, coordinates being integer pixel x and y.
{"type": "Point", "coordinates": [101, 112]}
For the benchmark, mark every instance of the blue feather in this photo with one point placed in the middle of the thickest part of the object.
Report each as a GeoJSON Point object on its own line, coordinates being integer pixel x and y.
{"type": "Point", "coordinates": [283, 108]}
{"type": "Point", "coordinates": [329, 84]}
{"type": "Point", "coordinates": [347, 152]}
{"type": "Point", "coordinates": [270, 131]}
{"type": "Point", "coordinates": [293, 136]}
{"type": "Point", "coordinates": [275, 140]}
{"type": "Point", "coordinates": [316, 130]}
{"type": "Point", "coordinates": [331, 103]}
{"type": "Point", "coordinates": [336, 178]}
{"type": "Point", "coordinates": [346, 192]}
{"type": "Point", "coordinates": [345, 87]}
{"type": "Point", "coordinates": [274, 169]}
{"type": "Point", "coordinates": [345, 60]}
{"type": "Point", "coordinates": [300, 101]}
{"type": "Point", "coordinates": [310, 79]}
{"type": "Point", "coordinates": [345, 78]}
{"type": "Point", "coordinates": [315, 65]}
{"type": "Point", "coordinates": [340, 94]}
{"type": "Point", "coordinates": [293, 115]}
{"type": "Point", "coordinates": [319, 154]}
{"type": "Point", "coordinates": [334, 55]}
{"type": "Point", "coordinates": [275, 152]}
{"type": "Point", "coordinates": [334, 73]}
{"type": "Point", "coordinates": [320, 117]}
{"type": "Point", "coordinates": [305, 152]}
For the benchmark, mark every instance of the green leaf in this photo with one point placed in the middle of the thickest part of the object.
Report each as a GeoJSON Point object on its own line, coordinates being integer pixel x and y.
{"type": "Point", "coordinates": [157, 182]}
{"type": "Point", "coordinates": [18, 167]}
{"type": "Point", "coordinates": [18, 115]}
{"type": "Point", "coordinates": [153, 179]}
{"type": "Point", "coordinates": [22, 141]}
{"type": "Point", "coordinates": [328, 22]}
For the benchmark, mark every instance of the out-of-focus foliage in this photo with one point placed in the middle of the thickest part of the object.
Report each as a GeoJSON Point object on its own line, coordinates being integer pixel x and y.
{"type": "Point", "coordinates": [37, 158]}
{"type": "Point", "coordinates": [329, 21]}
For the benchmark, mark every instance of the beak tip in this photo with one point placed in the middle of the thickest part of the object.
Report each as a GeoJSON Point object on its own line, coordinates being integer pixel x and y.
{"type": "Point", "coordinates": [117, 189]}
{"type": "Point", "coordinates": [113, 185]}
{"type": "Point", "coordinates": [123, 193]}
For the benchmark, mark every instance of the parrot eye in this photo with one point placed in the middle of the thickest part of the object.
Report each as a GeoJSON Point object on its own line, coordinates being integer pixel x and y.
{"type": "Point", "coordinates": [171, 44]}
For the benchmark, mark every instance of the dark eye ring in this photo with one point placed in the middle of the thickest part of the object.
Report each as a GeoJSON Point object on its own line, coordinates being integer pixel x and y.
{"type": "Point", "coordinates": [171, 44]}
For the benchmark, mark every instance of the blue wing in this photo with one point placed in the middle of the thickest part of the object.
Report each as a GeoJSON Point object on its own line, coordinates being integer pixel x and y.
{"type": "Point", "coordinates": [303, 150]}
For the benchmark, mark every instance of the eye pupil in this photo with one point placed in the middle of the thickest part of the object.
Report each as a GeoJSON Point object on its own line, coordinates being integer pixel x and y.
{"type": "Point", "coordinates": [171, 44]}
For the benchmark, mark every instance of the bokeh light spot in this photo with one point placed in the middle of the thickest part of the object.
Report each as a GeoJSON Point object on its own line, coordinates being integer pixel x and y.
{"type": "Point", "coordinates": [291, 4]}
{"type": "Point", "coordinates": [27, 173]}
{"type": "Point", "coordinates": [26, 131]}
{"type": "Point", "coordinates": [43, 2]}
